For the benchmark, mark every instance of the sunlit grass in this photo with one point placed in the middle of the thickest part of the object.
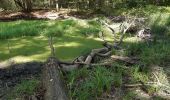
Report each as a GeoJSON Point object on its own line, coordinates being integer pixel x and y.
{"type": "Point", "coordinates": [28, 39]}
{"type": "Point", "coordinates": [46, 27]}
{"type": "Point", "coordinates": [36, 48]}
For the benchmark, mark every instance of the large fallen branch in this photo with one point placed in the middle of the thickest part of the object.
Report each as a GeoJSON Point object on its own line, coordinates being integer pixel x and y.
{"type": "Point", "coordinates": [102, 52]}
{"type": "Point", "coordinates": [67, 66]}
{"type": "Point", "coordinates": [95, 52]}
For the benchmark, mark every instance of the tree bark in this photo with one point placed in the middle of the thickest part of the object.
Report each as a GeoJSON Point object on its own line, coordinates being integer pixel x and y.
{"type": "Point", "coordinates": [53, 82]}
{"type": "Point", "coordinates": [25, 5]}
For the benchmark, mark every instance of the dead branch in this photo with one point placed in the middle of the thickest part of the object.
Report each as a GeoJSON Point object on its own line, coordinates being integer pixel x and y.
{"type": "Point", "coordinates": [124, 31]}
{"type": "Point", "coordinates": [109, 27]}
{"type": "Point", "coordinates": [130, 24]}
{"type": "Point", "coordinates": [68, 68]}
{"type": "Point", "coordinates": [93, 53]}
{"type": "Point", "coordinates": [125, 59]}
{"type": "Point", "coordinates": [135, 85]}
{"type": "Point", "coordinates": [76, 65]}
{"type": "Point", "coordinates": [140, 84]}
{"type": "Point", "coordinates": [101, 36]}
{"type": "Point", "coordinates": [105, 54]}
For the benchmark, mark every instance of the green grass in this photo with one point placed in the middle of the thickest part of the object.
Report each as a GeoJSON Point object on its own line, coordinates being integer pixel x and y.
{"type": "Point", "coordinates": [129, 95]}
{"type": "Point", "coordinates": [138, 75]}
{"type": "Point", "coordinates": [34, 28]}
{"type": "Point", "coordinates": [36, 48]}
{"type": "Point", "coordinates": [25, 88]}
{"type": "Point", "coordinates": [28, 39]}
{"type": "Point", "coordinates": [20, 28]}
{"type": "Point", "coordinates": [42, 27]}
{"type": "Point", "coordinates": [89, 84]}
{"type": "Point", "coordinates": [157, 52]}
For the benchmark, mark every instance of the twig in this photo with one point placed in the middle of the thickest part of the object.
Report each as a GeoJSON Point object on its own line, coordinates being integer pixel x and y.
{"type": "Point", "coordinates": [124, 32]}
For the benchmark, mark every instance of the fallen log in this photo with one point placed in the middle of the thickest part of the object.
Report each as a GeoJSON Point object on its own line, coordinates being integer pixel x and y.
{"type": "Point", "coordinates": [53, 82]}
{"type": "Point", "coordinates": [52, 77]}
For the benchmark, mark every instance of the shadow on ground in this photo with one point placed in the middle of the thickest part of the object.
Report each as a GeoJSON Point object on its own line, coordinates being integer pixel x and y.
{"type": "Point", "coordinates": [36, 48]}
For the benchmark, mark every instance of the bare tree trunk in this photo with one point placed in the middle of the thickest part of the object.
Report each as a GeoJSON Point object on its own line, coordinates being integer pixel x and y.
{"type": "Point", "coordinates": [25, 5]}
{"type": "Point", "coordinates": [57, 5]}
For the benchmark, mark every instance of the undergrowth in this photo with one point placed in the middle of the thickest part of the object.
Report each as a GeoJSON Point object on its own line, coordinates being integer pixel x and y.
{"type": "Point", "coordinates": [55, 28]}
{"type": "Point", "coordinates": [93, 83]}
{"type": "Point", "coordinates": [25, 88]}
{"type": "Point", "coordinates": [89, 84]}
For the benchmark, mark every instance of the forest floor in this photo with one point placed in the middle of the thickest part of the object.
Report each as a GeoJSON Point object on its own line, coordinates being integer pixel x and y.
{"type": "Point", "coordinates": [24, 46]}
{"type": "Point", "coordinates": [40, 14]}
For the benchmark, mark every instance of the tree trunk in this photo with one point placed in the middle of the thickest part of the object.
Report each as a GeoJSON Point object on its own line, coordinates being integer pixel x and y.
{"type": "Point", "coordinates": [53, 81]}
{"type": "Point", "coordinates": [25, 5]}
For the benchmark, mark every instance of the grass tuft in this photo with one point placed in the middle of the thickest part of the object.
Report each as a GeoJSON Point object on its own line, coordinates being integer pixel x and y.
{"type": "Point", "coordinates": [25, 88]}
{"type": "Point", "coordinates": [88, 84]}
